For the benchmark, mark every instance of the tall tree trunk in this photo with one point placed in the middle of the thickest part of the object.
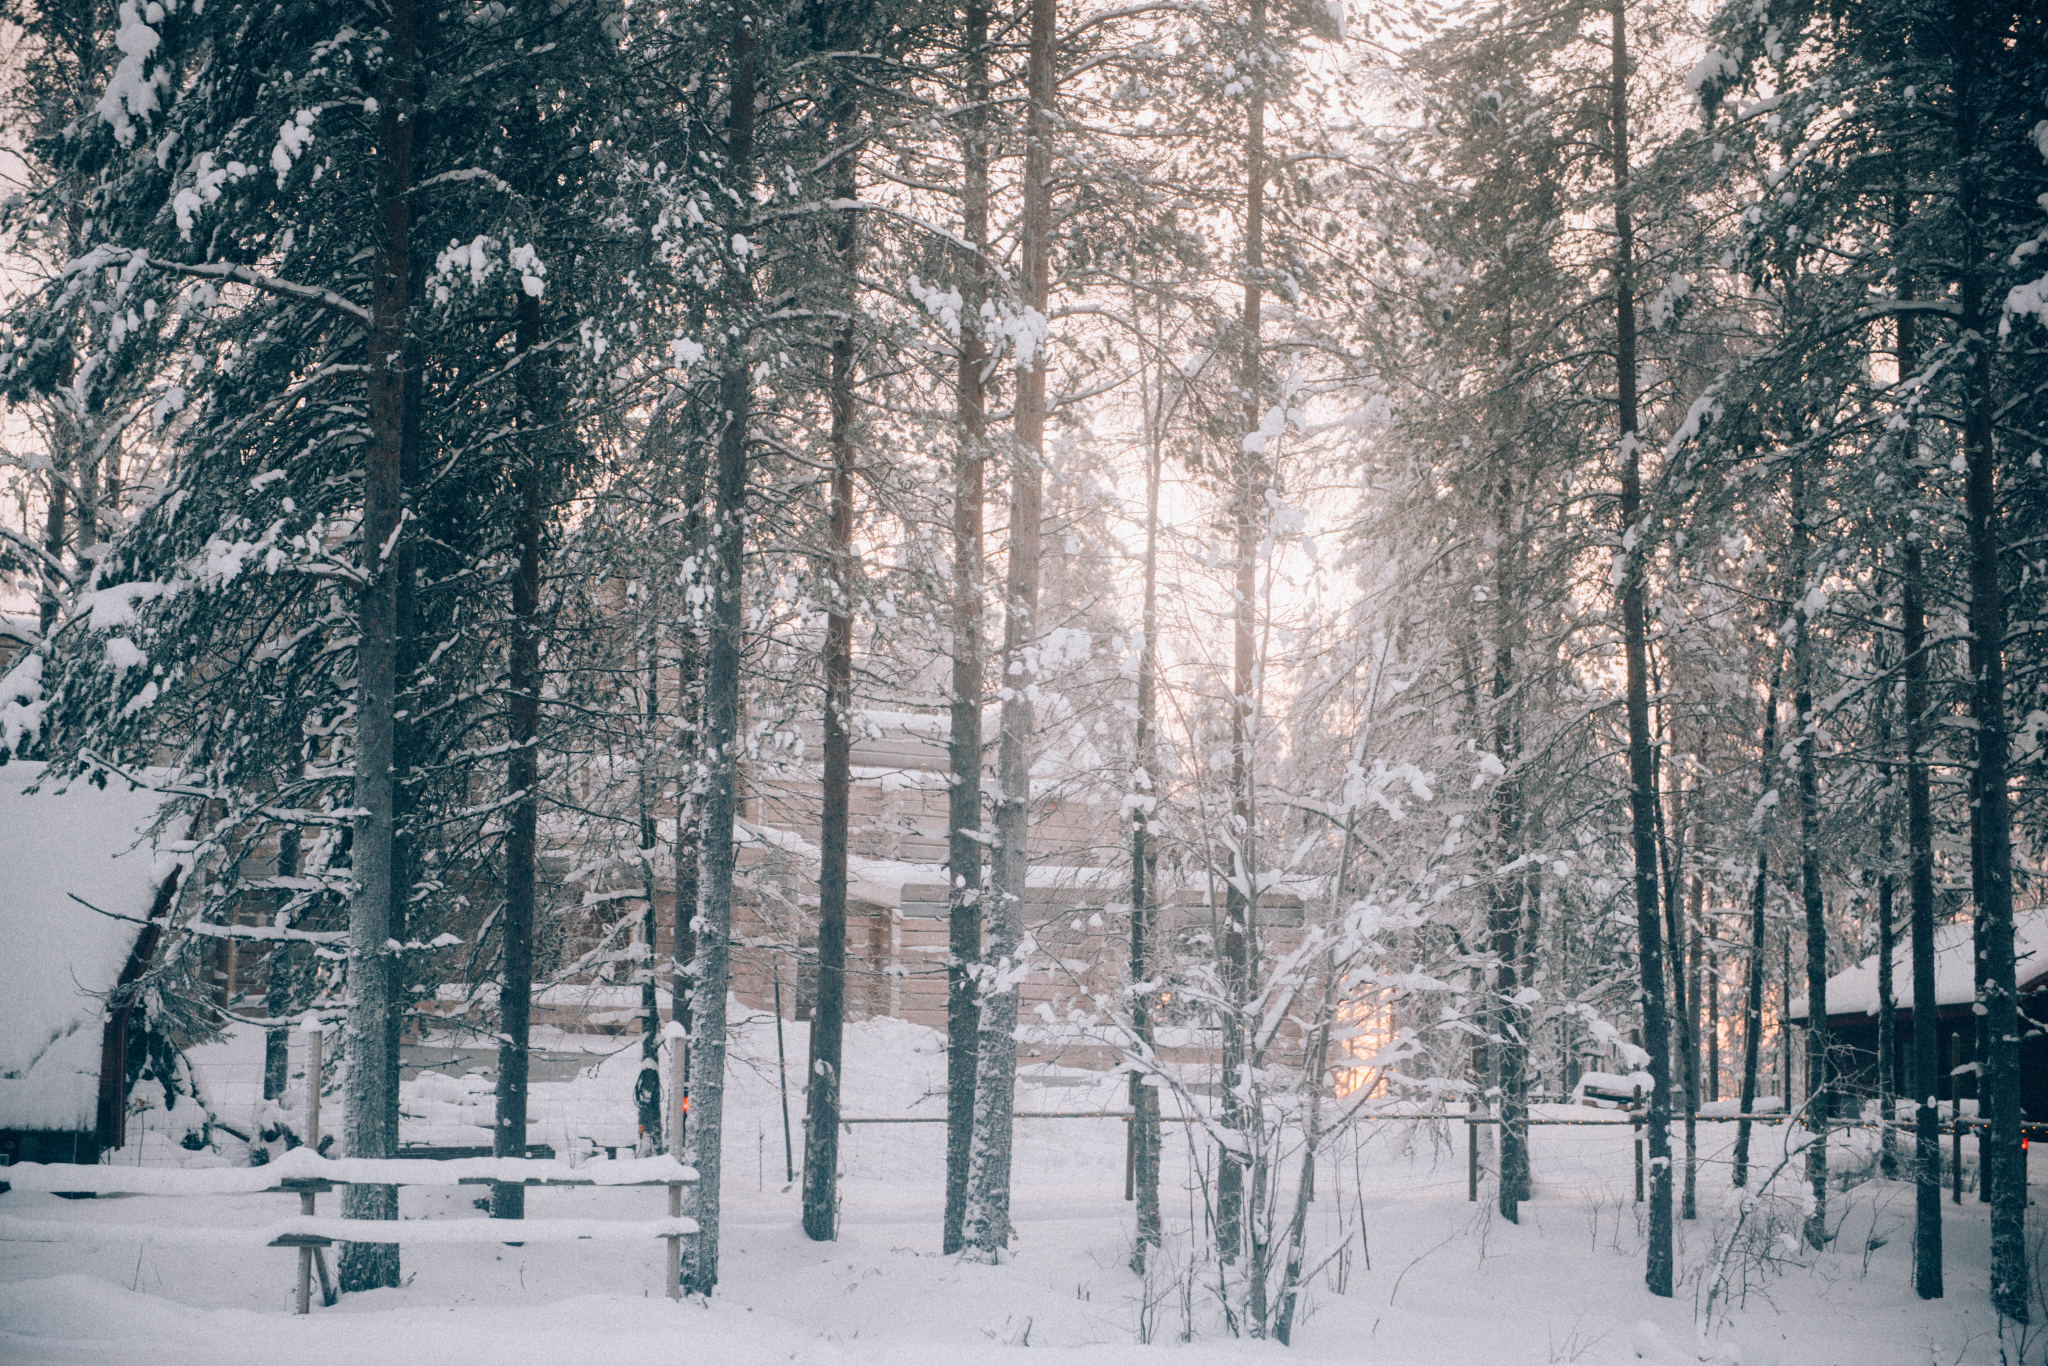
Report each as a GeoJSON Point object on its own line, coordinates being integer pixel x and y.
{"type": "Point", "coordinates": [647, 1086]}
{"type": "Point", "coordinates": [1759, 892]}
{"type": "Point", "coordinates": [1819, 1092]}
{"type": "Point", "coordinates": [986, 1226]}
{"type": "Point", "coordinates": [1926, 1070]}
{"type": "Point", "coordinates": [86, 546]}
{"type": "Point", "coordinates": [828, 1015]}
{"type": "Point", "coordinates": [1887, 943]}
{"type": "Point", "coordinates": [1681, 1001]}
{"type": "Point", "coordinates": [1240, 905]}
{"type": "Point", "coordinates": [1316, 1067]}
{"type": "Point", "coordinates": [1976, 39]}
{"type": "Point", "coordinates": [1785, 1050]}
{"type": "Point", "coordinates": [522, 776]}
{"type": "Point", "coordinates": [1635, 632]}
{"type": "Point", "coordinates": [53, 546]}
{"type": "Point", "coordinates": [86, 44]}
{"type": "Point", "coordinates": [405, 785]}
{"type": "Point", "coordinates": [1532, 958]}
{"type": "Point", "coordinates": [711, 970]}
{"type": "Point", "coordinates": [963, 798]}
{"type": "Point", "coordinates": [1928, 1076]}
{"type": "Point", "coordinates": [1980, 961]}
{"type": "Point", "coordinates": [1506, 893]}
{"type": "Point", "coordinates": [691, 636]}
{"type": "Point", "coordinates": [282, 987]}
{"type": "Point", "coordinates": [1144, 1094]}
{"type": "Point", "coordinates": [1706, 936]}
{"type": "Point", "coordinates": [372, 1074]}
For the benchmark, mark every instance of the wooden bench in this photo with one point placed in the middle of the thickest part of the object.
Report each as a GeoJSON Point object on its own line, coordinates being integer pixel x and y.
{"type": "Point", "coordinates": [305, 1173]}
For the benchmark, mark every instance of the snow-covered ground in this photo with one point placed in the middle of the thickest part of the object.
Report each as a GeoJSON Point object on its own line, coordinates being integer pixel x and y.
{"type": "Point", "coordinates": [1434, 1280]}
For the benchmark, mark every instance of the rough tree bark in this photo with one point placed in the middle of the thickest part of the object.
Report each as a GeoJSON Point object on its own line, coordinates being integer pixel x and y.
{"type": "Point", "coordinates": [1506, 893]}
{"type": "Point", "coordinates": [1887, 943]}
{"type": "Point", "coordinates": [368, 1109]}
{"type": "Point", "coordinates": [284, 972]}
{"type": "Point", "coordinates": [1785, 1049]}
{"type": "Point", "coordinates": [1759, 893]}
{"type": "Point", "coordinates": [963, 810]}
{"type": "Point", "coordinates": [1978, 36]}
{"type": "Point", "coordinates": [1240, 902]}
{"type": "Point", "coordinates": [1635, 632]}
{"type": "Point", "coordinates": [1694, 916]}
{"type": "Point", "coordinates": [1682, 1001]}
{"type": "Point", "coordinates": [53, 547]}
{"type": "Point", "coordinates": [690, 636]}
{"type": "Point", "coordinates": [405, 786]}
{"type": "Point", "coordinates": [1819, 1106]}
{"type": "Point", "coordinates": [828, 1014]}
{"type": "Point", "coordinates": [1144, 1097]}
{"type": "Point", "coordinates": [647, 1086]}
{"type": "Point", "coordinates": [1926, 1070]}
{"type": "Point", "coordinates": [711, 969]}
{"type": "Point", "coordinates": [522, 776]}
{"type": "Point", "coordinates": [1706, 935]}
{"type": "Point", "coordinates": [986, 1226]}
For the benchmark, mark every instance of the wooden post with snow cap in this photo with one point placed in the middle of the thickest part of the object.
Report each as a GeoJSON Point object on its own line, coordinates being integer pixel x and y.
{"type": "Point", "coordinates": [307, 1199]}
{"type": "Point", "coordinates": [679, 1108]}
{"type": "Point", "coordinates": [328, 1294]}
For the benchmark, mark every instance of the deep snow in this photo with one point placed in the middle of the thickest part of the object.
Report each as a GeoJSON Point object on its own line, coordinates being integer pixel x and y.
{"type": "Point", "coordinates": [1448, 1281]}
{"type": "Point", "coordinates": [62, 956]}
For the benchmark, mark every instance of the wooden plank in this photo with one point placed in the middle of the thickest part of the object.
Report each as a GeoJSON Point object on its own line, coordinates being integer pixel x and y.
{"type": "Point", "coordinates": [427, 1152]}
{"type": "Point", "coordinates": [326, 1230]}
{"type": "Point", "coordinates": [302, 1164]}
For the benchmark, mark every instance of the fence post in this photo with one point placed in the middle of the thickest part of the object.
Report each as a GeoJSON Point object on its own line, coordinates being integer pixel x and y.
{"type": "Point", "coordinates": [1130, 1157]}
{"type": "Point", "coordinates": [1471, 1159]}
{"type": "Point", "coordinates": [1635, 1121]}
{"type": "Point", "coordinates": [308, 1202]}
{"type": "Point", "coordinates": [1956, 1127]}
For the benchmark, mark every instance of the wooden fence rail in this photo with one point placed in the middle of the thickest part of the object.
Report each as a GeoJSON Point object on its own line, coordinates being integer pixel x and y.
{"type": "Point", "coordinates": [1636, 1120]}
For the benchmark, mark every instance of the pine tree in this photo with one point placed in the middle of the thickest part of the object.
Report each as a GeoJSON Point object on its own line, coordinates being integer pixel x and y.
{"type": "Point", "coordinates": [1641, 759]}
{"type": "Point", "coordinates": [985, 1229]}
{"type": "Point", "coordinates": [964, 861]}
{"type": "Point", "coordinates": [828, 1014]}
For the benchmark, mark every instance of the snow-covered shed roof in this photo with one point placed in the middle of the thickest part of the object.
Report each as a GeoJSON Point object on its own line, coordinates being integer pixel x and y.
{"type": "Point", "coordinates": [81, 841]}
{"type": "Point", "coordinates": [1853, 991]}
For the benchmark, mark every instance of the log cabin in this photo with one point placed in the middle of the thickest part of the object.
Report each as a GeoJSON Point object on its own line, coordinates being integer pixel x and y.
{"type": "Point", "coordinates": [1853, 1016]}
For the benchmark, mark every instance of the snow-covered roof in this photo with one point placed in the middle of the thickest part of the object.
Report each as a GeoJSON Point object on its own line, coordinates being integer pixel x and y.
{"type": "Point", "coordinates": [1853, 991]}
{"type": "Point", "coordinates": [87, 842]}
{"type": "Point", "coordinates": [900, 743]}
{"type": "Point", "coordinates": [880, 881]}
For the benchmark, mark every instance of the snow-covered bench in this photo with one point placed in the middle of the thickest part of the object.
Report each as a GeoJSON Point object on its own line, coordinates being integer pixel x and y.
{"type": "Point", "coordinates": [304, 1172]}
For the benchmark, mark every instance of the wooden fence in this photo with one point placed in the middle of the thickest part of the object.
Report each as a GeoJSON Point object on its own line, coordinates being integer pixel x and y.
{"type": "Point", "coordinates": [1638, 1120]}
